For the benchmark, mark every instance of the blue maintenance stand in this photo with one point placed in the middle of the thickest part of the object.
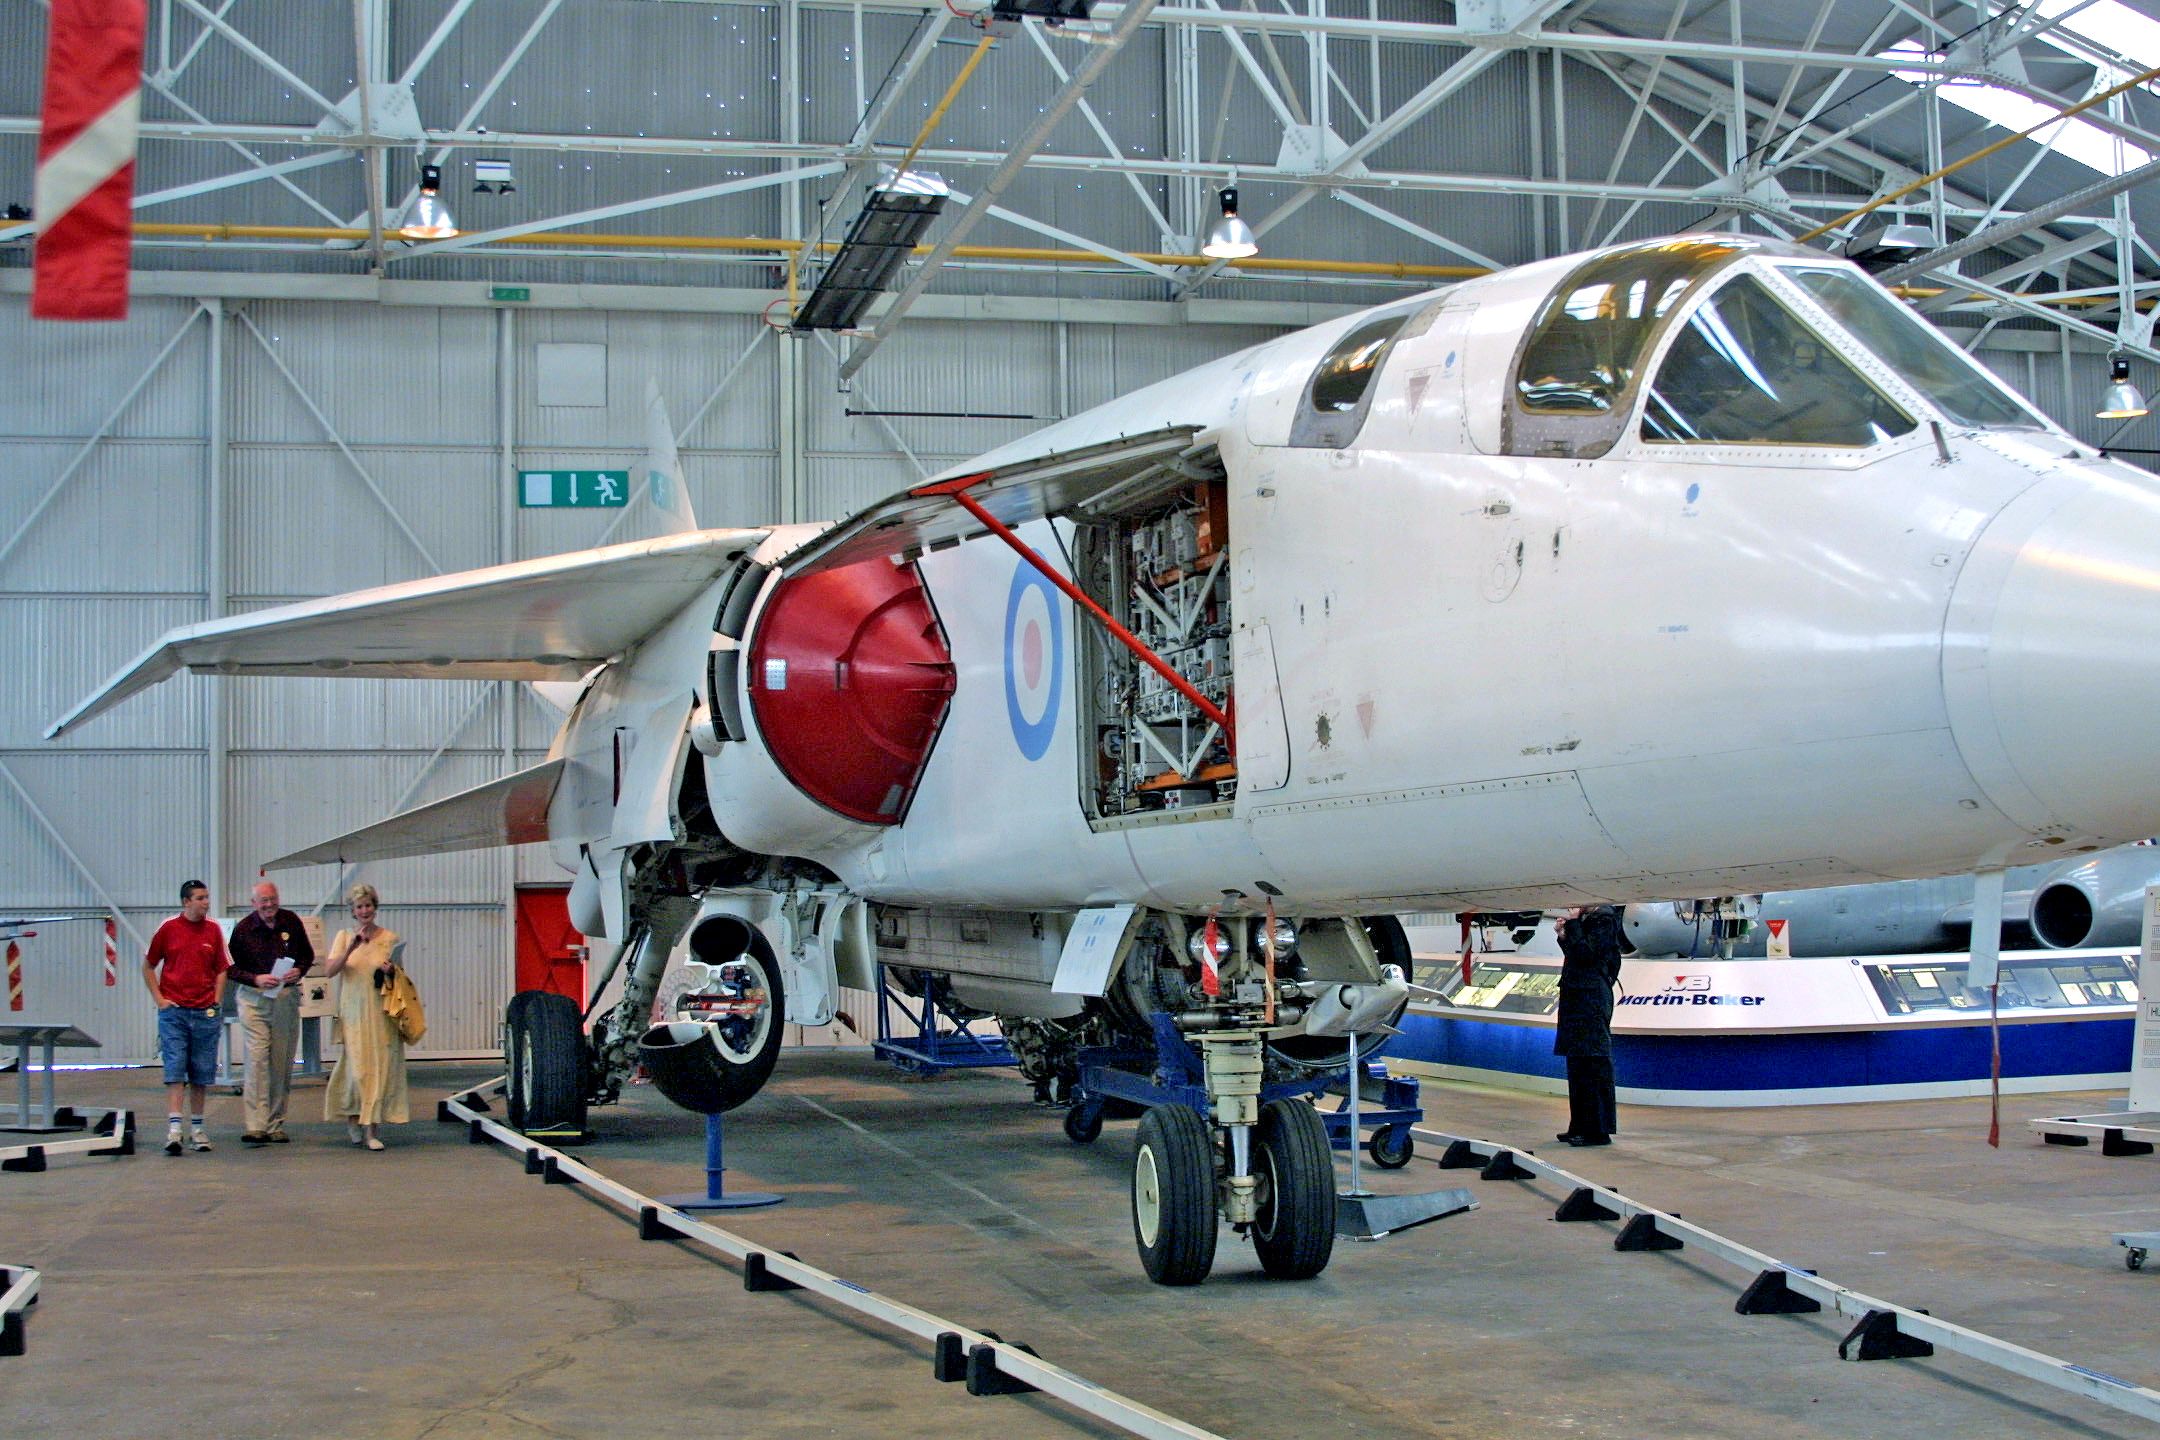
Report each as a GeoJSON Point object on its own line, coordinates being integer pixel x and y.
{"type": "Point", "coordinates": [716, 1196]}
{"type": "Point", "coordinates": [1174, 1074]}
{"type": "Point", "coordinates": [932, 1035]}
{"type": "Point", "coordinates": [1387, 1127]}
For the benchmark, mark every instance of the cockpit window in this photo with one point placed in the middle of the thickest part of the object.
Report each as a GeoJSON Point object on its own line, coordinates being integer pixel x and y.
{"type": "Point", "coordinates": [1591, 335]}
{"type": "Point", "coordinates": [1340, 381]}
{"type": "Point", "coordinates": [1747, 371]}
{"type": "Point", "coordinates": [1340, 390]}
{"type": "Point", "coordinates": [1901, 340]}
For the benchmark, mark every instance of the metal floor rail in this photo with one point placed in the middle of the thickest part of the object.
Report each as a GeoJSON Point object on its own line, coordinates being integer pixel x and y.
{"type": "Point", "coordinates": [1884, 1330]}
{"type": "Point", "coordinates": [94, 1132]}
{"type": "Point", "coordinates": [988, 1365]}
{"type": "Point", "coordinates": [18, 1292]}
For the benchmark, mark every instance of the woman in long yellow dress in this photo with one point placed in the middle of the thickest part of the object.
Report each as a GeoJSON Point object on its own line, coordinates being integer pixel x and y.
{"type": "Point", "coordinates": [367, 1089]}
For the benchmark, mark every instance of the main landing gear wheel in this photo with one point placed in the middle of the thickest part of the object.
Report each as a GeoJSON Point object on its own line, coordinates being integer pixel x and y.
{"type": "Point", "coordinates": [513, 1049]}
{"type": "Point", "coordinates": [1173, 1195]}
{"type": "Point", "coordinates": [1294, 1231]}
{"type": "Point", "coordinates": [547, 1063]}
{"type": "Point", "coordinates": [2134, 1259]}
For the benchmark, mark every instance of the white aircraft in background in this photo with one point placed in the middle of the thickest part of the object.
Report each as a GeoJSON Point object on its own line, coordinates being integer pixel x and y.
{"type": "Point", "coordinates": [2096, 900]}
{"type": "Point", "coordinates": [1697, 567]}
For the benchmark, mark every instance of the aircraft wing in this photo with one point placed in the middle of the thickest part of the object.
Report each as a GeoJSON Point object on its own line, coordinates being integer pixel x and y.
{"type": "Point", "coordinates": [1067, 482]}
{"type": "Point", "coordinates": [553, 618]}
{"type": "Point", "coordinates": [509, 811]}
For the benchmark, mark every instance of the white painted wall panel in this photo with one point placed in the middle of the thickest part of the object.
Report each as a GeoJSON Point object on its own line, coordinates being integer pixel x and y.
{"type": "Point", "coordinates": [131, 517]}
{"type": "Point", "coordinates": [133, 818]}
{"type": "Point", "coordinates": [379, 374]}
{"type": "Point", "coordinates": [64, 380]}
{"type": "Point", "coordinates": [293, 714]}
{"type": "Point", "coordinates": [305, 523]}
{"type": "Point", "coordinates": [59, 648]}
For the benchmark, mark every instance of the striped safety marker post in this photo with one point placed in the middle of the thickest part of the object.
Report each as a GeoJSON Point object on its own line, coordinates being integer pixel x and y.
{"type": "Point", "coordinates": [112, 953]}
{"type": "Point", "coordinates": [14, 976]}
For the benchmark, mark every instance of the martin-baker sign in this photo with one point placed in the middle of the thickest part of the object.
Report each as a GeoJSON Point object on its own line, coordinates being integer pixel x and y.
{"type": "Point", "coordinates": [1691, 990]}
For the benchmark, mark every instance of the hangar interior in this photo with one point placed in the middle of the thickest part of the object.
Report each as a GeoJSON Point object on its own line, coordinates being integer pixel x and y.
{"type": "Point", "coordinates": [301, 403]}
{"type": "Point", "coordinates": [324, 383]}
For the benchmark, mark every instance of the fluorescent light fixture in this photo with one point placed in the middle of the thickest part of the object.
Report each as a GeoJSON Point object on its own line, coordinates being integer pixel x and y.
{"type": "Point", "coordinates": [428, 218]}
{"type": "Point", "coordinates": [492, 177]}
{"type": "Point", "coordinates": [897, 212]}
{"type": "Point", "coordinates": [1889, 245]}
{"type": "Point", "coordinates": [2121, 400]}
{"type": "Point", "coordinates": [1230, 238]}
{"type": "Point", "coordinates": [1050, 12]}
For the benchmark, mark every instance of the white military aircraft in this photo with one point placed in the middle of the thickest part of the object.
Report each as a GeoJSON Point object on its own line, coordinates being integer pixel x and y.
{"type": "Point", "coordinates": [1696, 567]}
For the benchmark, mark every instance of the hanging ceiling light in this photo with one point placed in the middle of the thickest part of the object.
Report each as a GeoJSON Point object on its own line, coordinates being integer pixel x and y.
{"type": "Point", "coordinates": [2121, 400]}
{"type": "Point", "coordinates": [1230, 238]}
{"type": "Point", "coordinates": [428, 218]}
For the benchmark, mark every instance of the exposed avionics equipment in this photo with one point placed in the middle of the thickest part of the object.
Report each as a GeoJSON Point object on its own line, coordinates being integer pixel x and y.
{"type": "Point", "coordinates": [1137, 728]}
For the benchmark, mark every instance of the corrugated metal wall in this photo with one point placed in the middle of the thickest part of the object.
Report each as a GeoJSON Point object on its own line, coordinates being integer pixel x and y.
{"type": "Point", "coordinates": [409, 395]}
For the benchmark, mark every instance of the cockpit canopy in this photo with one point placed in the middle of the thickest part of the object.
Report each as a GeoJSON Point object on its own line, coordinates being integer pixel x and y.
{"type": "Point", "coordinates": [1795, 351]}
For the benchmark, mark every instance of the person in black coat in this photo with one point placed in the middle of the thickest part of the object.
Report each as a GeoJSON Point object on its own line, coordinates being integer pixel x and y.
{"type": "Point", "coordinates": [1590, 965]}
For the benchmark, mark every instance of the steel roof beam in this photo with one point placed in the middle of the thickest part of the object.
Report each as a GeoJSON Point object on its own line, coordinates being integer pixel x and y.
{"type": "Point", "coordinates": [1037, 136]}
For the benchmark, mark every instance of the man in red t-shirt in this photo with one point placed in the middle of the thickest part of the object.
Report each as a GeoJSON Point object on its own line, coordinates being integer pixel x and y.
{"type": "Point", "coordinates": [185, 970]}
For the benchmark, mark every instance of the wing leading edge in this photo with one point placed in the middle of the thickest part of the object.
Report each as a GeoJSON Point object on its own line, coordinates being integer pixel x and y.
{"type": "Point", "coordinates": [552, 618]}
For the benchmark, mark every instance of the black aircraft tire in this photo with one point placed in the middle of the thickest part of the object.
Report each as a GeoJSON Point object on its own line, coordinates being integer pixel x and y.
{"type": "Point", "coordinates": [548, 1064]}
{"type": "Point", "coordinates": [1294, 1232]}
{"type": "Point", "coordinates": [1173, 1195]}
{"type": "Point", "coordinates": [513, 1050]}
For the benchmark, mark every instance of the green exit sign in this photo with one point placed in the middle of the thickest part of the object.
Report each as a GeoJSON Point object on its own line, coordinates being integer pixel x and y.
{"type": "Point", "coordinates": [573, 489]}
{"type": "Point", "coordinates": [510, 293]}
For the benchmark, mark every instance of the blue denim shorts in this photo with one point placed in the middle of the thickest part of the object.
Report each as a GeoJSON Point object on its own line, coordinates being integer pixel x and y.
{"type": "Point", "coordinates": [187, 1042]}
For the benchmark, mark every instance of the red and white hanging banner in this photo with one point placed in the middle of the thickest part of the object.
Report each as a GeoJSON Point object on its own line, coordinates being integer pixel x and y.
{"type": "Point", "coordinates": [82, 201]}
{"type": "Point", "coordinates": [112, 953]}
{"type": "Point", "coordinates": [14, 979]}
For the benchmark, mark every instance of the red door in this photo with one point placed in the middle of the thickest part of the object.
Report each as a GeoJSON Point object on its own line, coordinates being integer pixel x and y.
{"type": "Point", "coordinates": [550, 955]}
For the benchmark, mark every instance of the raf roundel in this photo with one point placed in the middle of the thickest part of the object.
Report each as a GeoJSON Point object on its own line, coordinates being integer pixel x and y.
{"type": "Point", "coordinates": [1034, 660]}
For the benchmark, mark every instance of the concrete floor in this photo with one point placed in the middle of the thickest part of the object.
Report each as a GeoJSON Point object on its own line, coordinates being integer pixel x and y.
{"type": "Point", "coordinates": [435, 1290]}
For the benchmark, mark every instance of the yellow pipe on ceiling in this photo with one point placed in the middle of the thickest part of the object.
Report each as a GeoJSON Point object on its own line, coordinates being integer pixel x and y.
{"type": "Point", "coordinates": [753, 244]}
{"type": "Point", "coordinates": [1391, 269]}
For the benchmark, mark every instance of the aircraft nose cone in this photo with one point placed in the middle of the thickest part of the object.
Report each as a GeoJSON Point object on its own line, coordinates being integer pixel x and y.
{"type": "Point", "coordinates": [2051, 658]}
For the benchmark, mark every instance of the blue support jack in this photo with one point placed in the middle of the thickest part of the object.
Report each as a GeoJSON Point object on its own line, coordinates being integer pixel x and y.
{"type": "Point", "coordinates": [716, 1196]}
{"type": "Point", "coordinates": [931, 1035]}
{"type": "Point", "coordinates": [1173, 1074]}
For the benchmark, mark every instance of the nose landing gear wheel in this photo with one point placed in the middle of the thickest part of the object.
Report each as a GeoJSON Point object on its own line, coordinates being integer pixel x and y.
{"type": "Point", "coordinates": [1173, 1195]}
{"type": "Point", "coordinates": [1294, 1232]}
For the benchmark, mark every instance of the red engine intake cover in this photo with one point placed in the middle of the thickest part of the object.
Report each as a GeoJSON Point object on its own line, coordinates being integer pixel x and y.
{"type": "Point", "coordinates": [850, 676]}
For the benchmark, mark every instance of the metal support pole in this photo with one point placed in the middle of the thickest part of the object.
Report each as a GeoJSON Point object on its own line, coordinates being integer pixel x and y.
{"type": "Point", "coordinates": [1357, 1188]}
{"type": "Point", "coordinates": [217, 586]}
{"type": "Point", "coordinates": [715, 1196]}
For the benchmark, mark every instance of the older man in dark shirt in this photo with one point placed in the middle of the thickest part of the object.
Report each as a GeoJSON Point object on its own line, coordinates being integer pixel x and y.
{"type": "Point", "coordinates": [270, 952]}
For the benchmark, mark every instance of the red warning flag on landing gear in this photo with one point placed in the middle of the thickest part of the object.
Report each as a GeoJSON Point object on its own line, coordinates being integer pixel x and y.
{"type": "Point", "coordinates": [82, 202]}
{"type": "Point", "coordinates": [1210, 938]}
